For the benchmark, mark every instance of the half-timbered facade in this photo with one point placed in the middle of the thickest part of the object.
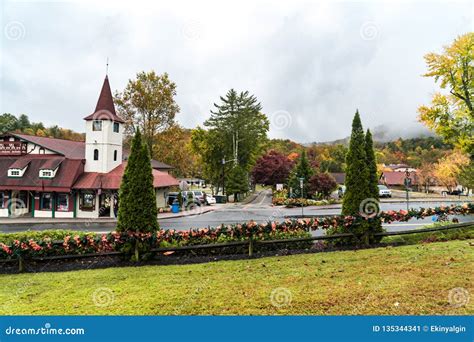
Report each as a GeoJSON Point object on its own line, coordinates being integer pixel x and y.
{"type": "Point", "coordinates": [55, 178]}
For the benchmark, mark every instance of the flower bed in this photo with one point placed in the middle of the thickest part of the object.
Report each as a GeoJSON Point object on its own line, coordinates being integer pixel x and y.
{"type": "Point", "coordinates": [82, 243]}
{"type": "Point", "coordinates": [301, 202]}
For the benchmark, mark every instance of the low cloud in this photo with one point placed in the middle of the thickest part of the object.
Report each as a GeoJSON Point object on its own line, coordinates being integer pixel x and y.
{"type": "Point", "coordinates": [319, 62]}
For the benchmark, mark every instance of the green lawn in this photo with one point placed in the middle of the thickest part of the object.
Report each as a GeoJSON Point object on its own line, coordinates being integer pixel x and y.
{"type": "Point", "coordinates": [403, 280]}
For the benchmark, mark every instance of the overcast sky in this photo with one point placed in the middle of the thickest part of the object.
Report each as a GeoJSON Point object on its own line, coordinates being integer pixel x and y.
{"type": "Point", "coordinates": [310, 63]}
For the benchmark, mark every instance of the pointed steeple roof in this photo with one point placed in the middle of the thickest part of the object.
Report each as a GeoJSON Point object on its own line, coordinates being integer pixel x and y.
{"type": "Point", "coordinates": [105, 109]}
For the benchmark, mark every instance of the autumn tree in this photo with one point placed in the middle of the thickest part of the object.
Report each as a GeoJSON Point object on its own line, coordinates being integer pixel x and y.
{"type": "Point", "coordinates": [173, 146]}
{"type": "Point", "coordinates": [451, 115]}
{"type": "Point", "coordinates": [208, 147]}
{"type": "Point", "coordinates": [272, 168]}
{"type": "Point", "coordinates": [448, 169]}
{"type": "Point", "coordinates": [466, 176]}
{"type": "Point", "coordinates": [22, 124]}
{"type": "Point", "coordinates": [148, 103]}
{"type": "Point", "coordinates": [321, 185]}
{"type": "Point", "coordinates": [426, 176]}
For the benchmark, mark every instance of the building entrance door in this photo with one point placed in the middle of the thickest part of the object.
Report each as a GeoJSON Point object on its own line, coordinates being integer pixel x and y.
{"type": "Point", "coordinates": [104, 205]}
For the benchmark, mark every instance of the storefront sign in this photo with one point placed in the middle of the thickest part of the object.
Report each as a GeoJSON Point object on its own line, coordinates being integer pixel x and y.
{"type": "Point", "coordinates": [12, 148]}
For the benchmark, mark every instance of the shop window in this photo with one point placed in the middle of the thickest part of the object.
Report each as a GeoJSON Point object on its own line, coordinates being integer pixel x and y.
{"type": "Point", "coordinates": [46, 202]}
{"type": "Point", "coordinates": [62, 203]}
{"type": "Point", "coordinates": [87, 201]}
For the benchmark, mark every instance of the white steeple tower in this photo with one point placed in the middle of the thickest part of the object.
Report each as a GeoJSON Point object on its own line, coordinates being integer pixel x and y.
{"type": "Point", "coordinates": [104, 134]}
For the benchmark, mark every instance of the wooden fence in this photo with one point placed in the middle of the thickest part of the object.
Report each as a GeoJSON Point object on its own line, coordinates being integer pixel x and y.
{"type": "Point", "coordinates": [250, 243]}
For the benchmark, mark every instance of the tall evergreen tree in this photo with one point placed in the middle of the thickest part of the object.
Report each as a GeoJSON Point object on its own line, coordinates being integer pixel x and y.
{"type": "Point", "coordinates": [304, 170]}
{"type": "Point", "coordinates": [373, 179]}
{"type": "Point", "coordinates": [137, 209]}
{"type": "Point", "coordinates": [237, 182]}
{"type": "Point", "coordinates": [242, 127]}
{"type": "Point", "coordinates": [357, 174]}
{"type": "Point", "coordinates": [374, 222]}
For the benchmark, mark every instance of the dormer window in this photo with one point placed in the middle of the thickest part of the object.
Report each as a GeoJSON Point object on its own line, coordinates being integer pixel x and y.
{"type": "Point", "coordinates": [116, 127]}
{"type": "Point", "coordinates": [49, 169]}
{"type": "Point", "coordinates": [97, 125]}
{"type": "Point", "coordinates": [46, 174]}
{"type": "Point", "coordinates": [17, 172]}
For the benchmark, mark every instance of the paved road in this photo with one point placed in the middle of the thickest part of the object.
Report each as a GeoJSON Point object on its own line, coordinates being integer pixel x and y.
{"type": "Point", "coordinates": [260, 210]}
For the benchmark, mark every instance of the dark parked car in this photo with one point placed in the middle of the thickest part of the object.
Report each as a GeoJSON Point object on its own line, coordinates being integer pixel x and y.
{"type": "Point", "coordinates": [455, 192]}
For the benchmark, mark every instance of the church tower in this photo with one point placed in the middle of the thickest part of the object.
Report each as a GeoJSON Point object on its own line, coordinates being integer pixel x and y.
{"type": "Point", "coordinates": [104, 134]}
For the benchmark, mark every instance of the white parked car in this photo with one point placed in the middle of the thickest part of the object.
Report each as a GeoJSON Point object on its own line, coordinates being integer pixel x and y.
{"type": "Point", "coordinates": [384, 191]}
{"type": "Point", "coordinates": [210, 199]}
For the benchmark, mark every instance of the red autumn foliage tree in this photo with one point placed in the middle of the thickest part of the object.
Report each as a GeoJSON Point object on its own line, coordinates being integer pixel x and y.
{"type": "Point", "coordinates": [322, 184]}
{"type": "Point", "coordinates": [272, 168]}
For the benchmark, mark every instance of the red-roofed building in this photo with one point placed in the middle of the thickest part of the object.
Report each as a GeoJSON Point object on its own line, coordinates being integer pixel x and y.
{"type": "Point", "coordinates": [47, 177]}
{"type": "Point", "coordinates": [397, 179]}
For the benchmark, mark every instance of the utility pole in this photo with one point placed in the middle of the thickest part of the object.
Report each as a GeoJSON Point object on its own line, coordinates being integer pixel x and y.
{"type": "Point", "coordinates": [223, 173]}
{"type": "Point", "coordinates": [223, 176]}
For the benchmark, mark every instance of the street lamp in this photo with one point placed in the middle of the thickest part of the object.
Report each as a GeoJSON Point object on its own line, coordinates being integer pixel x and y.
{"type": "Point", "coordinates": [302, 197]}
{"type": "Point", "coordinates": [407, 183]}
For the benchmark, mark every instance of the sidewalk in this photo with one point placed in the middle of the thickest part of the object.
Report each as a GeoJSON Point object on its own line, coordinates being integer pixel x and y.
{"type": "Point", "coordinates": [161, 216]}
{"type": "Point", "coordinates": [399, 200]}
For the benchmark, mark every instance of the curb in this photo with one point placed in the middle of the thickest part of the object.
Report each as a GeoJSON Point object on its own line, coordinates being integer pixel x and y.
{"type": "Point", "coordinates": [183, 215]}
{"type": "Point", "coordinates": [106, 221]}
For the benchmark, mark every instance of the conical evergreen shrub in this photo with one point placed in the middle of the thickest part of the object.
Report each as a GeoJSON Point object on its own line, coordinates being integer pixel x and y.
{"type": "Point", "coordinates": [137, 200]}
{"type": "Point", "coordinates": [356, 170]}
